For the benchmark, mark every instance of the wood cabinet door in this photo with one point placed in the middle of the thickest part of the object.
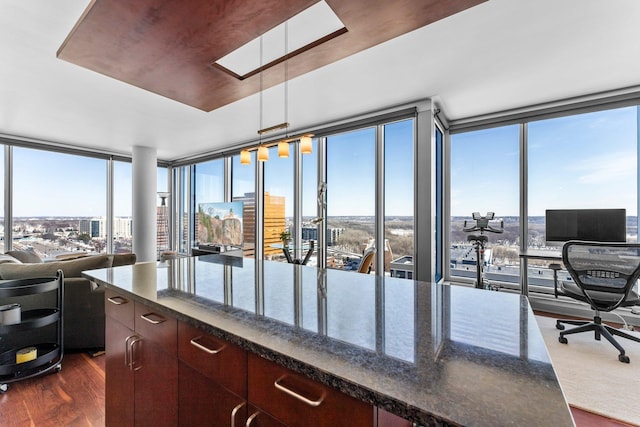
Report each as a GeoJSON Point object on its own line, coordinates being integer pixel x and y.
{"type": "Point", "coordinates": [156, 385]}
{"type": "Point", "coordinates": [203, 402]}
{"type": "Point", "coordinates": [119, 387]}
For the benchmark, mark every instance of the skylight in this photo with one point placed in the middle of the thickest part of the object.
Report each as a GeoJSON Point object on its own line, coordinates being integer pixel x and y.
{"type": "Point", "coordinates": [310, 27]}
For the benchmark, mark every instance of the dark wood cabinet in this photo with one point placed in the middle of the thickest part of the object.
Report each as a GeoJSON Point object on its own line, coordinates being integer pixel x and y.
{"type": "Point", "coordinates": [213, 379]}
{"type": "Point", "coordinates": [217, 359]}
{"type": "Point", "coordinates": [119, 389]}
{"type": "Point", "coordinates": [141, 365]}
{"type": "Point", "coordinates": [203, 402]}
{"type": "Point", "coordinates": [299, 401]}
{"type": "Point", "coordinates": [160, 371]}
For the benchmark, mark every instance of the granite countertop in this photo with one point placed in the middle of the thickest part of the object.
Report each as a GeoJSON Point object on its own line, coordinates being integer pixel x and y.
{"type": "Point", "coordinates": [429, 353]}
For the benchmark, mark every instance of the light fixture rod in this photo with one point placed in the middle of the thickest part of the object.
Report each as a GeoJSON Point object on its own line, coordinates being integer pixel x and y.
{"type": "Point", "coordinates": [272, 128]}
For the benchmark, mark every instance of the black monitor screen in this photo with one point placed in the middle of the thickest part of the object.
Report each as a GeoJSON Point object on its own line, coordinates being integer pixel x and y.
{"type": "Point", "coordinates": [594, 225]}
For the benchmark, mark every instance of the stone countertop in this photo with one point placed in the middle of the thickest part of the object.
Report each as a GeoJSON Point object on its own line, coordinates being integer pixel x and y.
{"type": "Point", "coordinates": [429, 353]}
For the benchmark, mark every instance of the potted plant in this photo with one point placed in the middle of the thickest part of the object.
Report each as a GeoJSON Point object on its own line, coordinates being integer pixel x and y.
{"type": "Point", "coordinates": [285, 236]}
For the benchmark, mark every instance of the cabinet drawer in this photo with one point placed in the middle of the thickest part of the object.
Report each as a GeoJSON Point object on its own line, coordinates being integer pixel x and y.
{"type": "Point", "coordinates": [119, 308]}
{"type": "Point", "coordinates": [203, 402]}
{"type": "Point", "coordinates": [299, 401]}
{"type": "Point", "coordinates": [157, 327]}
{"type": "Point", "coordinates": [214, 357]}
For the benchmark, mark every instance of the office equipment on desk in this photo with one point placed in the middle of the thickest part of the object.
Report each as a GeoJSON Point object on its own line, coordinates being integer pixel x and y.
{"type": "Point", "coordinates": [592, 225]}
{"type": "Point", "coordinates": [603, 276]}
{"type": "Point", "coordinates": [563, 225]}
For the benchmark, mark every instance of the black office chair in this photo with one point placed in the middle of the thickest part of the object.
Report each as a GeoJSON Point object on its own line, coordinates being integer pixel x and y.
{"type": "Point", "coordinates": [604, 275]}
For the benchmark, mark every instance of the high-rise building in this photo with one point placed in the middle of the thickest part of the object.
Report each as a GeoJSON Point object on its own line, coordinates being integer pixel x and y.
{"type": "Point", "coordinates": [122, 227]}
{"type": "Point", "coordinates": [162, 227]}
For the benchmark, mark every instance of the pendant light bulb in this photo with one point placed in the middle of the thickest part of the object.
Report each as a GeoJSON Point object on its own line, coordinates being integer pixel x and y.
{"type": "Point", "coordinates": [306, 147]}
{"type": "Point", "coordinates": [245, 157]}
{"type": "Point", "coordinates": [263, 154]}
{"type": "Point", "coordinates": [283, 149]}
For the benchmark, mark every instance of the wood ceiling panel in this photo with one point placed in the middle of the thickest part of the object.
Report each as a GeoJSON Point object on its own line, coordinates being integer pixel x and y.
{"type": "Point", "coordinates": [167, 46]}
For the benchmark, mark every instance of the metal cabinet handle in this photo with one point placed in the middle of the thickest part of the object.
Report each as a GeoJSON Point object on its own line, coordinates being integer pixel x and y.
{"type": "Point", "coordinates": [251, 418]}
{"type": "Point", "coordinates": [194, 342]}
{"type": "Point", "coordinates": [153, 321]}
{"type": "Point", "coordinates": [300, 397]}
{"type": "Point", "coordinates": [127, 351]}
{"type": "Point", "coordinates": [133, 365]}
{"type": "Point", "coordinates": [117, 300]}
{"type": "Point", "coordinates": [234, 412]}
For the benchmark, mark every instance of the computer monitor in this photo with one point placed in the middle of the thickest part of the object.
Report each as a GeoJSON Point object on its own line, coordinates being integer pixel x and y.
{"type": "Point", "coordinates": [594, 225]}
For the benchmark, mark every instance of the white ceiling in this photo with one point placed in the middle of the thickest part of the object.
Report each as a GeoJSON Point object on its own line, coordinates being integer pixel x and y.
{"type": "Point", "coordinates": [500, 55]}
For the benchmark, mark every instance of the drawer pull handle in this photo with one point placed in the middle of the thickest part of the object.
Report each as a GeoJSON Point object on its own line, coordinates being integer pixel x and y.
{"type": "Point", "coordinates": [134, 366]}
{"type": "Point", "coordinates": [194, 342]}
{"type": "Point", "coordinates": [234, 412]}
{"type": "Point", "coordinates": [300, 397]}
{"type": "Point", "coordinates": [117, 300]}
{"type": "Point", "coordinates": [251, 418]}
{"type": "Point", "coordinates": [127, 350]}
{"type": "Point", "coordinates": [156, 321]}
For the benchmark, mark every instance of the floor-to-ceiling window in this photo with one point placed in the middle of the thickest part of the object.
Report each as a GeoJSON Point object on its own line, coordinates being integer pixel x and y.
{"type": "Point", "coordinates": [209, 191]}
{"type": "Point", "coordinates": [398, 198]}
{"type": "Point", "coordinates": [582, 161]}
{"type": "Point", "coordinates": [59, 202]}
{"type": "Point", "coordinates": [311, 193]}
{"type": "Point", "coordinates": [339, 188]}
{"type": "Point", "coordinates": [351, 192]}
{"type": "Point", "coordinates": [278, 203]}
{"type": "Point", "coordinates": [485, 178]}
{"type": "Point", "coordinates": [122, 190]}
{"type": "Point", "coordinates": [573, 161]}
{"type": "Point", "coordinates": [243, 189]}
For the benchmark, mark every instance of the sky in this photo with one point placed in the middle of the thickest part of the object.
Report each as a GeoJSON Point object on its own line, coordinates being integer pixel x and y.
{"type": "Point", "coordinates": [581, 161]}
{"type": "Point", "coordinates": [55, 184]}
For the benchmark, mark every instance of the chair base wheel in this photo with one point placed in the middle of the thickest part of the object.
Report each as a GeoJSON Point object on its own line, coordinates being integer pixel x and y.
{"type": "Point", "coordinates": [559, 326]}
{"type": "Point", "coordinates": [623, 358]}
{"type": "Point", "coordinates": [563, 340]}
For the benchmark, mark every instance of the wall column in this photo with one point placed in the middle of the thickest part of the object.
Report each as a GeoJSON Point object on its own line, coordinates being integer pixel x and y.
{"type": "Point", "coordinates": [145, 164]}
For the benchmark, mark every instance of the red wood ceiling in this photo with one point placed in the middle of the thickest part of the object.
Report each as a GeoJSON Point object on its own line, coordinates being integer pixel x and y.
{"type": "Point", "coordinates": [167, 46]}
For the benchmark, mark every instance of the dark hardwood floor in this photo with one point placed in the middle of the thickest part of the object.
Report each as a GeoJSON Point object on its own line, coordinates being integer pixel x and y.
{"type": "Point", "coordinates": [75, 397]}
{"type": "Point", "coordinates": [72, 397]}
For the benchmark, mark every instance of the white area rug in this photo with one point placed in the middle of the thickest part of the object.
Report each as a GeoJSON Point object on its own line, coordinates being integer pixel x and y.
{"type": "Point", "coordinates": [590, 374]}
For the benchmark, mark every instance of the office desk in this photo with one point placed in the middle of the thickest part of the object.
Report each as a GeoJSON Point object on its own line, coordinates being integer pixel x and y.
{"type": "Point", "coordinates": [432, 354]}
{"type": "Point", "coordinates": [524, 265]}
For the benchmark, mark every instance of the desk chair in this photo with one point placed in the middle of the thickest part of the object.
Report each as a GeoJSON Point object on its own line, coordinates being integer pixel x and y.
{"type": "Point", "coordinates": [603, 276]}
{"type": "Point", "coordinates": [366, 262]}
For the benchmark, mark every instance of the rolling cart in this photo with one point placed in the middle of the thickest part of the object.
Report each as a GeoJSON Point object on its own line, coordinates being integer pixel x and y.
{"type": "Point", "coordinates": [31, 337]}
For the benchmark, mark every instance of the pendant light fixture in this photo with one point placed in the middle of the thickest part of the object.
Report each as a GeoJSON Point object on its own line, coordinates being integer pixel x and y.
{"type": "Point", "coordinates": [305, 141]}
{"type": "Point", "coordinates": [283, 149]}
{"type": "Point", "coordinates": [263, 153]}
{"type": "Point", "coordinates": [306, 146]}
{"type": "Point", "coordinates": [245, 157]}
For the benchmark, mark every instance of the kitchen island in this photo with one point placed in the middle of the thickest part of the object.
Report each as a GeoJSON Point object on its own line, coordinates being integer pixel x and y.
{"type": "Point", "coordinates": [431, 354]}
